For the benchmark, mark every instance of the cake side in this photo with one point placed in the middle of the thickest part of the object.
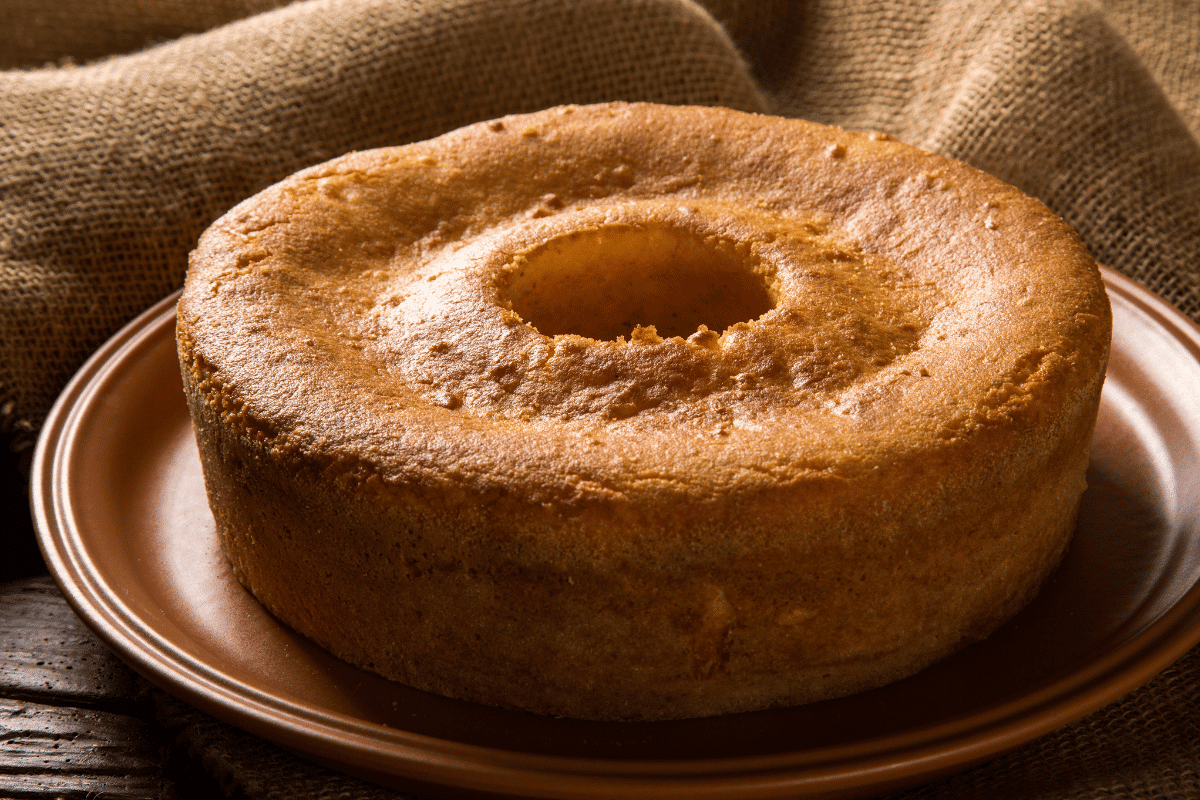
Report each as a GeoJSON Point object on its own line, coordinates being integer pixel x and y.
{"type": "Point", "coordinates": [853, 584]}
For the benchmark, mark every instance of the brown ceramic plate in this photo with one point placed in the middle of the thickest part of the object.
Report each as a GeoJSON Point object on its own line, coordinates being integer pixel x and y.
{"type": "Point", "coordinates": [124, 525]}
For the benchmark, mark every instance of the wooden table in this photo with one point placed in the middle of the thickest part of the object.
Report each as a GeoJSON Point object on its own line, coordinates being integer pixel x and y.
{"type": "Point", "coordinates": [75, 721]}
{"type": "Point", "coordinates": [77, 724]}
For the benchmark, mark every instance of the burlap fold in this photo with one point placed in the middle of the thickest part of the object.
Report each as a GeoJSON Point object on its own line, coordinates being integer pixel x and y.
{"type": "Point", "coordinates": [110, 170]}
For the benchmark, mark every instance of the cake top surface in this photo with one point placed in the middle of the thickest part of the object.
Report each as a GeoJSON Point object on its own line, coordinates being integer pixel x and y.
{"type": "Point", "coordinates": [599, 300]}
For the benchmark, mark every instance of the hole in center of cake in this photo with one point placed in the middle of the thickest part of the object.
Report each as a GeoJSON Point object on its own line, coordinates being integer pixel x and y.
{"type": "Point", "coordinates": [601, 283]}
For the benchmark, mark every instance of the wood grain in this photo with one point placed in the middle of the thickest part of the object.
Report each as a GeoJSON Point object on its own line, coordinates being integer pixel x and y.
{"type": "Point", "coordinates": [51, 656]}
{"type": "Point", "coordinates": [74, 721]}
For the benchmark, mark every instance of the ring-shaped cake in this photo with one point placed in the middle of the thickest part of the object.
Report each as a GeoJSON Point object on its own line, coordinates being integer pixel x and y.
{"type": "Point", "coordinates": [643, 412]}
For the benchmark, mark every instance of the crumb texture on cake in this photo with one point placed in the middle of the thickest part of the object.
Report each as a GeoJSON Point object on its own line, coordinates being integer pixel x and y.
{"type": "Point", "coordinates": [643, 412]}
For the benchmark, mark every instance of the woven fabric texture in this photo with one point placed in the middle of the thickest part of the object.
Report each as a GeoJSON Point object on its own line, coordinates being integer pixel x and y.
{"type": "Point", "coordinates": [109, 172]}
{"type": "Point", "coordinates": [127, 127]}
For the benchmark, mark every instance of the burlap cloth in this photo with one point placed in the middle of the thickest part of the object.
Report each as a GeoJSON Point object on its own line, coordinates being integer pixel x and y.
{"type": "Point", "coordinates": [126, 126]}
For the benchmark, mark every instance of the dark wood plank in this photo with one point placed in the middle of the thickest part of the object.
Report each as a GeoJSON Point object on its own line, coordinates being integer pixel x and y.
{"type": "Point", "coordinates": [50, 656]}
{"type": "Point", "coordinates": [75, 722]}
{"type": "Point", "coordinates": [79, 752]}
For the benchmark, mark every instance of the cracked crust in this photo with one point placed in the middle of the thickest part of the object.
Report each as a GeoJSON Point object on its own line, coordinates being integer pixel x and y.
{"type": "Point", "coordinates": [441, 439]}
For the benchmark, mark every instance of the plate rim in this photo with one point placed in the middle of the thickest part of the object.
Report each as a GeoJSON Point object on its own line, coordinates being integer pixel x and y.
{"type": "Point", "coordinates": [476, 767]}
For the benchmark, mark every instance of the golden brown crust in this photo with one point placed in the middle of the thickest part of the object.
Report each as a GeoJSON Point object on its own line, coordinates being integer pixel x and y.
{"type": "Point", "coordinates": [415, 412]}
